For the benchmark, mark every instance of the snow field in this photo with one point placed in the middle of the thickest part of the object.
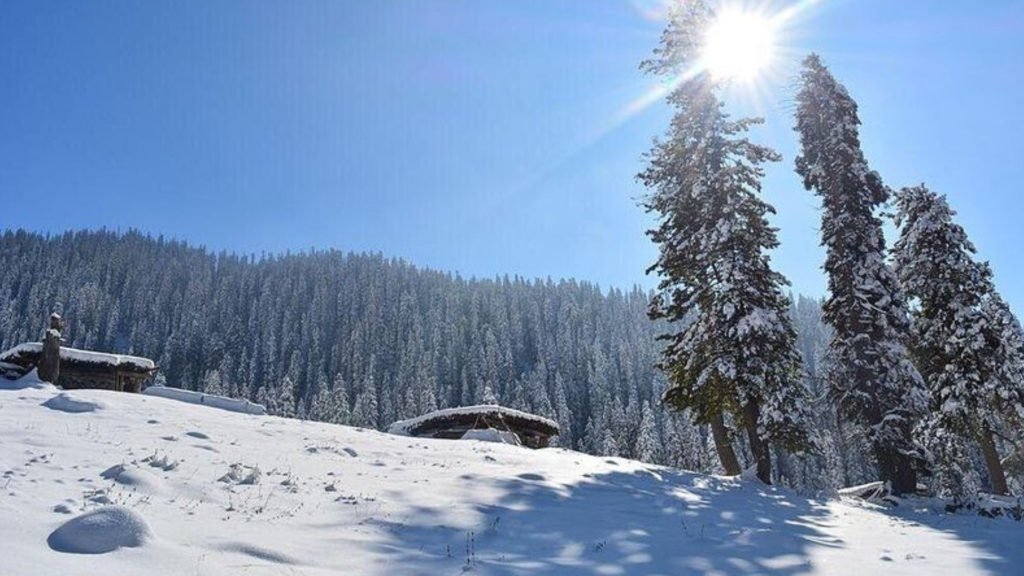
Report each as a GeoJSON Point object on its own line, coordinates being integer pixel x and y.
{"type": "Point", "coordinates": [148, 483]}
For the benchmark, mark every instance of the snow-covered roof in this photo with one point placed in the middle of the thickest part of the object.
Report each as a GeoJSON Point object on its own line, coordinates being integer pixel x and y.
{"type": "Point", "coordinates": [76, 355]}
{"type": "Point", "coordinates": [410, 426]}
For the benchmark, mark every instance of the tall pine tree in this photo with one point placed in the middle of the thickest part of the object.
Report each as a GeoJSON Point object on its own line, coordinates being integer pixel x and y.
{"type": "Point", "coordinates": [870, 374]}
{"type": "Point", "coordinates": [973, 376]}
{"type": "Point", "coordinates": [734, 352]}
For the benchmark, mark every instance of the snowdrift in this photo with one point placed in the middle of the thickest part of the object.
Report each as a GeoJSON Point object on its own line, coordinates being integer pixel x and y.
{"type": "Point", "coordinates": [221, 402]}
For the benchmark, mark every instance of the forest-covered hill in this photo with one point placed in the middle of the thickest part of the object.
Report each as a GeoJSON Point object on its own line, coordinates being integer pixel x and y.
{"type": "Point", "coordinates": [365, 340]}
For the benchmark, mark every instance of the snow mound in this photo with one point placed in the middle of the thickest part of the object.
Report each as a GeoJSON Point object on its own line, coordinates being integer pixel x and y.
{"type": "Point", "coordinates": [101, 531]}
{"type": "Point", "coordinates": [132, 477]}
{"type": "Point", "coordinates": [221, 402]}
{"type": "Point", "coordinates": [259, 553]}
{"type": "Point", "coordinates": [29, 380]}
{"type": "Point", "coordinates": [65, 402]}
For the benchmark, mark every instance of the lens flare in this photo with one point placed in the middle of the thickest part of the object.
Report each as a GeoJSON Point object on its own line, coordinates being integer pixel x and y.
{"type": "Point", "coordinates": [739, 45]}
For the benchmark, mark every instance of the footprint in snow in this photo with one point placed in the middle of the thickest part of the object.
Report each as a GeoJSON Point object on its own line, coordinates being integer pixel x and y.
{"type": "Point", "coordinates": [351, 452]}
{"type": "Point", "coordinates": [197, 434]}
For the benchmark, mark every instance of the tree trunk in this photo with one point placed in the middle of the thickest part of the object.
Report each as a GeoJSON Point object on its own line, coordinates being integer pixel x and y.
{"type": "Point", "coordinates": [49, 359]}
{"type": "Point", "coordinates": [996, 474]}
{"type": "Point", "coordinates": [894, 467]}
{"type": "Point", "coordinates": [898, 470]}
{"type": "Point", "coordinates": [843, 450]}
{"type": "Point", "coordinates": [758, 447]}
{"type": "Point", "coordinates": [905, 480]}
{"type": "Point", "coordinates": [726, 455]}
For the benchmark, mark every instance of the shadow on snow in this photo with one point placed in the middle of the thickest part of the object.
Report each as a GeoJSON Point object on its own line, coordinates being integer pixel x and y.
{"type": "Point", "coordinates": [997, 542]}
{"type": "Point", "coordinates": [652, 521]}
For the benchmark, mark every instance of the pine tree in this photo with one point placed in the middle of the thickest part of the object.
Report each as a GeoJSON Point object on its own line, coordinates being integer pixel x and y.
{"type": "Point", "coordinates": [566, 434]}
{"type": "Point", "coordinates": [735, 349]}
{"type": "Point", "coordinates": [1008, 384]}
{"type": "Point", "coordinates": [593, 434]}
{"type": "Point", "coordinates": [366, 410]}
{"type": "Point", "coordinates": [286, 400]}
{"type": "Point", "coordinates": [647, 438]}
{"type": "Point", "coordinates": [609, 443]}
{"type": "Point", "coordinates": [1006, 388]}
{"type": "Point", "coordinates": [487, 396]}
{"type": "Point", "coordinates": [318, 408]}
{"type": "Point", "coordinates": [683, 446]}
{"type": "Point", "coordinates": [213, 384]}
{"type": "Point", "coordinates": [871, 377]}
{"type": "Point", "coordinates": [954, 341]}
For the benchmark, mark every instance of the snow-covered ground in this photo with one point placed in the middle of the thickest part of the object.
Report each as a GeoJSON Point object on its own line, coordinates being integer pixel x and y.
{"type": "Point", "coordinates": [96, 482]}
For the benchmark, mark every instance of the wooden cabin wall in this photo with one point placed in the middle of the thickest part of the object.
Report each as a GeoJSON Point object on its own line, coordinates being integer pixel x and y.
{"type": "Point", "coordinates": [100, 379]}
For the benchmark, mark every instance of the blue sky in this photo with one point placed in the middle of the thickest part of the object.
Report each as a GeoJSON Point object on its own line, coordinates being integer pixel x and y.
{"type": "Point", "coordinates": [478, 136]}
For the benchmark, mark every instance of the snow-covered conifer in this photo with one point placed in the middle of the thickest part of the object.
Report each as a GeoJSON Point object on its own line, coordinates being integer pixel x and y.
{"type": "Point", "coordinates": [566, 435]}
{"type": "Point", "coordinates": [366, 411]}
{"type": "Point", "coordinates": [958, 338]}
{"type": "Point", "coordinates": [286, 398]}
{"type": "Point", "coordinates": [214, 384]}
{"type": "Point", "coordinates": [647, 438]}
{"type": "Point", "coordinates": [871, 376]}
{"type": "Point", "coordinates": [733, 348]}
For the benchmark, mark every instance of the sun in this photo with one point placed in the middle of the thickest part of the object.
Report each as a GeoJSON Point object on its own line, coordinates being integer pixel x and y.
{"type": "Point", "coordinates": [739, 44]}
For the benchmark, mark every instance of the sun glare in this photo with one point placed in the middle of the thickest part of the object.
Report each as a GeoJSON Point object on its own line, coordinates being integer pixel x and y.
{"type": "Point", "coordinates": [739, 45]}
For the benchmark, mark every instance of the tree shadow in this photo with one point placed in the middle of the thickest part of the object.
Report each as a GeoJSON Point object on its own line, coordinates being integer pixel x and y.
{"type": "Point", "coordinates": [648, 521]}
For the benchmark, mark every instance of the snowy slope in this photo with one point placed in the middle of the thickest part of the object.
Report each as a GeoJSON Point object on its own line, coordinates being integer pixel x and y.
{"type": "Point", "coordinates": [178, 488]}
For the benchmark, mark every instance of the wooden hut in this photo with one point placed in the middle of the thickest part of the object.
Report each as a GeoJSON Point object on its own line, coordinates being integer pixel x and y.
{"type": "Point", "coordinates": [465, 422]}
{"type": "Point", "coordinates": [82, 368]}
